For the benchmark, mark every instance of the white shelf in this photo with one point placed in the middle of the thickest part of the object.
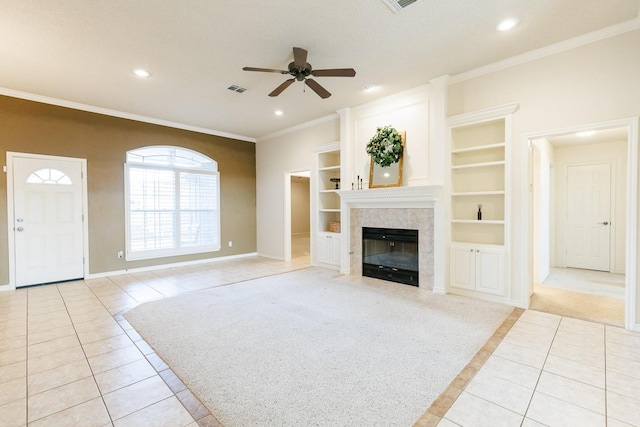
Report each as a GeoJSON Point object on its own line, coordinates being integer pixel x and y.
{"type": "Point", "coordinates": [479, 165]}
{"type": "Point", "coordinates": [478, 148]}
{"type": "Point", "coordinates": [478, 222]}
{"type": "Point", "coordinates": [478, 193]}
{"type": "Point", "coordinates": [326, 250]}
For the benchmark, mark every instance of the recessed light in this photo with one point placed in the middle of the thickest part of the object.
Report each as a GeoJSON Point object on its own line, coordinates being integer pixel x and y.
{"type": "Point", "coordinates": [141, 73]}
{"type": "Point", "coordinates": [278, 112]}
{"type": "Point", "coordinates": [369, 87]}
{"type": "Point", "coordinates": [507, 24]}
{"type": "Point", "coordinates": [585, 133]}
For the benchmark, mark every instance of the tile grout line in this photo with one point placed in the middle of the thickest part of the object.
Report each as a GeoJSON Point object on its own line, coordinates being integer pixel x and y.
{"type": "Point", "coordinates": [535, 387]}
{"type": "Point", "coordinates": [452, 390]}
{"type": "Point", "coordinates": [169, 369]}
{"type": "Point", "coordinates": [113, 316]}
{"type": "Point", "coordinates": [26, 355]}
{"type": "Point", "coordinates": [606, 394]}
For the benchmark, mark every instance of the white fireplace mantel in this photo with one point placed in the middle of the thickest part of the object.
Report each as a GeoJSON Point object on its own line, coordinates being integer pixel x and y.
{"type": "Point", "coordinates": [410, 197]}
{"type": "Point", "coordinates": [391, 197]}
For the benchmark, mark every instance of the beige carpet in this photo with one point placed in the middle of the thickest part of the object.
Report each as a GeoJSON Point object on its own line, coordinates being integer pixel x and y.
{"type": "Point", "coordinates": [585, 306]}
{"type": "Point", "coordinates": [314, 348]}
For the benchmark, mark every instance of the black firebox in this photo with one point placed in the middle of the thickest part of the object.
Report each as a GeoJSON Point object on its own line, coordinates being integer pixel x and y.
{"type": "Point", "coordinates": [390, 254]}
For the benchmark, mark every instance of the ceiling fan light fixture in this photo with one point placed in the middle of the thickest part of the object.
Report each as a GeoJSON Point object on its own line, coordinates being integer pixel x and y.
{"type": "Point", "coordinates": [369, 87]}
{"type": "Point", "coordinates": [300, 70]}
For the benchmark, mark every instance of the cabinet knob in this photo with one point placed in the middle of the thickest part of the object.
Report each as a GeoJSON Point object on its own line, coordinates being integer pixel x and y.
{"type": "Point", "coordinates": [478, 250]}
{"type": "Point", "coordinates": [471, 249]}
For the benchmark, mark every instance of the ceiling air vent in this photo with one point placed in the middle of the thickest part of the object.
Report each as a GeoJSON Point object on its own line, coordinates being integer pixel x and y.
{"type": "Point", "coordinates": [237, 88]}
{"type": "Point", "coordinates": [398, 5]}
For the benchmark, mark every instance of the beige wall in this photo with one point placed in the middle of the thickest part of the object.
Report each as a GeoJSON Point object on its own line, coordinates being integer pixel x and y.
{"type": "Point", "coordinates": [300, 206]}
{"type": "Point", "coordinates": [276, 157]}
{"type": "Point", "coordinates": [31, 127]}
{"type": "Point", "coordinates": [593, 83]}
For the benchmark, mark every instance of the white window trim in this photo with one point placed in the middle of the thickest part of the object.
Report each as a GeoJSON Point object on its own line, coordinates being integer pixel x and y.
{"type": "Point", "coordinates": [160, 253]}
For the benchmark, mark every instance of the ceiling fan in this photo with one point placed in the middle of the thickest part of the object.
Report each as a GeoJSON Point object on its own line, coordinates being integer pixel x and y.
{"type": "Point", "coordinates": [300, 69]}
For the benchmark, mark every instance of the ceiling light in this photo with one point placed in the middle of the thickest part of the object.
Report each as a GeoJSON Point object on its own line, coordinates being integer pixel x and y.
{"type": "Point", "coordinates": [278, 112]}
{"type": "Point", "coordinates": [585, 134]}
{"type": "Point", "coordinates": [507, 24]}
{"type": "Point", "coordinates": [369, 87]}
{"type": "Point", "coordinates": [141, 73]}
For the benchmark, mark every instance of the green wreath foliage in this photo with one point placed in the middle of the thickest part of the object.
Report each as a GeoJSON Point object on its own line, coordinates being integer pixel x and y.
{"type": "Point", "coordinates": [385, 147]}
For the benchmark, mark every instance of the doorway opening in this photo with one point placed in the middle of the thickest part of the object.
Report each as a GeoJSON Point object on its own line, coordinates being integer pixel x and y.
{"type": "Point", "coordinates": [579, 223]}
{"type": "Point", "coordinates": [298, 216]}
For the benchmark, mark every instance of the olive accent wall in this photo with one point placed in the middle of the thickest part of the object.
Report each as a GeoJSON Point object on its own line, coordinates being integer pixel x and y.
{"type": "Point", "coordinates": [32, 127]}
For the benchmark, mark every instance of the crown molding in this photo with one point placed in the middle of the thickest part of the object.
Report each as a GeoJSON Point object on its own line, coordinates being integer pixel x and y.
{"type": "Point", "coordinates": [585, 39]}
{"type": "Point", "coordinates": [301, 126]}
{"type": "Point", "coordinates": [120, 114]}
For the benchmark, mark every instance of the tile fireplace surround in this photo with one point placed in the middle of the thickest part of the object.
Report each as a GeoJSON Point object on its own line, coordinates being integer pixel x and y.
{"type": "Point", "coordinates": [396, 207]}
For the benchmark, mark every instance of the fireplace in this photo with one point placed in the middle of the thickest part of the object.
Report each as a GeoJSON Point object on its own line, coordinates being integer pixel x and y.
{"type": "Point", "coordinates": [390, 254]}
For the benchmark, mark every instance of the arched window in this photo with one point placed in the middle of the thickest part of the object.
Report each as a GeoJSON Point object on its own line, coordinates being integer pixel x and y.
{"type": "Point", "coordinates": [49, 176]}
{"type": "Point", "coordinates": [172, 202]}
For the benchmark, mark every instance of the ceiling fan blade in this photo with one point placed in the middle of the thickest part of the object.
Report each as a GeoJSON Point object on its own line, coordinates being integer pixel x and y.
{"type": "Point", "coordinates": [299, 57]}
{"type": "Point", "coordinates": [265, 70]}
{"type": "Point", "coordinates": [335, 72]}
{"type": "Point", "coordinates": [277, 91]}
{"type": "Point", "coordinates": [315, 86]}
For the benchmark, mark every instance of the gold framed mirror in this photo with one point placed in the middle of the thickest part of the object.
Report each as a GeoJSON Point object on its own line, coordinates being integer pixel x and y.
{"type": "Point", "coordinates": [390, 176]}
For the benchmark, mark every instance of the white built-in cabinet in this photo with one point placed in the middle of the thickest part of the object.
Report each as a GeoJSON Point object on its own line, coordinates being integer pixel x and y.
{"type": "Point", "coordinates": [479, 169]}
{"type": "Point", "coordinates": [327, 232]}
{"type": "Point", "coordinates": [478, 268]}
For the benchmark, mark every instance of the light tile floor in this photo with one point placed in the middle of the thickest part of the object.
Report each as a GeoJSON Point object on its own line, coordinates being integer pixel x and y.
{"type": "Point", "coordinates": [69, 358]}
{"type": "Point", "coordinates": [552, 371]}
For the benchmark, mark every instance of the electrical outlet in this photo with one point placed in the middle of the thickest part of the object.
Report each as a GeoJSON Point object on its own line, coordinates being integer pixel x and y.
{"type": "Point", "coordinates": [120, 254]}
{"type": "Point", "coordinates": [230, 243]}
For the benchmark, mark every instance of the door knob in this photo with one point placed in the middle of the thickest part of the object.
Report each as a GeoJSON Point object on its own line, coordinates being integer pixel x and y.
{"type": "Point", "coordinates": [604, 223]}
{"type": "Point", "coordinates": [20, 229]}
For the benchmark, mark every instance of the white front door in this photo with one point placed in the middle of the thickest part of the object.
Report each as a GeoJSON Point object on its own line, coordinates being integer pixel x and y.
{"type": "Point", "coordinates": [588, 216]}
{"type": "Point", "coordinates": [48, 228]}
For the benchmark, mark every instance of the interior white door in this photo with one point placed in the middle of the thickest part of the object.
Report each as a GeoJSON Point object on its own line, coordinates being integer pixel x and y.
{"type": "Point", "coordinates": [48, 229]}
{"type": "Point", "coordinates": [588, 216]}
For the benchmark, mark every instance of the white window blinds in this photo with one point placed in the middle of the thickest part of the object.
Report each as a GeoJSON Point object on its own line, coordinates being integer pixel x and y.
{"type": "Point", "coordinates": [171, 210]}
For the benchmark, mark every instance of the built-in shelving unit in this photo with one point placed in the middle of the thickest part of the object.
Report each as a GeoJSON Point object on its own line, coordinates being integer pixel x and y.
{"type": "Point", "coordinates": [479, 169]}
{"type": "Point", "coordinates": [328, 232]}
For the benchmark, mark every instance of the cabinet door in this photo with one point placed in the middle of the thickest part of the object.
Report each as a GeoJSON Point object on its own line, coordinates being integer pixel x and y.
{"type": "Point", "coordinates": [324, 248]}
{"type": "Point", "coordinates": [490, 271]}
{"type": "Point", "coordinates": [334, 243]}
{"type": "Point", "coordinates": [329, 249]}
{"type": "Point", "coordinates": [463, 267]}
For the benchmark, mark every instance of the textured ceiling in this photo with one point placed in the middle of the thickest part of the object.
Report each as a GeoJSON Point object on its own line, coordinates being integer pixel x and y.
{"type": "Point", "coordinates": [83, 51]}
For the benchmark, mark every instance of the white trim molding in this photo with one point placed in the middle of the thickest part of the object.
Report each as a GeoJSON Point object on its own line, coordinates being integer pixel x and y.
{"type": "Point", "coordinates": [632, 281]}
{"type": "Point", "coordinates": [416, 197]}
{"type": "Point", "coordinates": [585, 39]}
{"type": "Point", "coordinates": [120, 114]}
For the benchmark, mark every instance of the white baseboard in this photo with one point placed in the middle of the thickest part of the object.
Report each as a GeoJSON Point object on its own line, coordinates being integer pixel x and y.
{"type": "Point", "coordinates": [163, 266]}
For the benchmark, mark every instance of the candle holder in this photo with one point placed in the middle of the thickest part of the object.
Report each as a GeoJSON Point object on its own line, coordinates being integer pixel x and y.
{"type": "Point", "coordinates": [337, 181]}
